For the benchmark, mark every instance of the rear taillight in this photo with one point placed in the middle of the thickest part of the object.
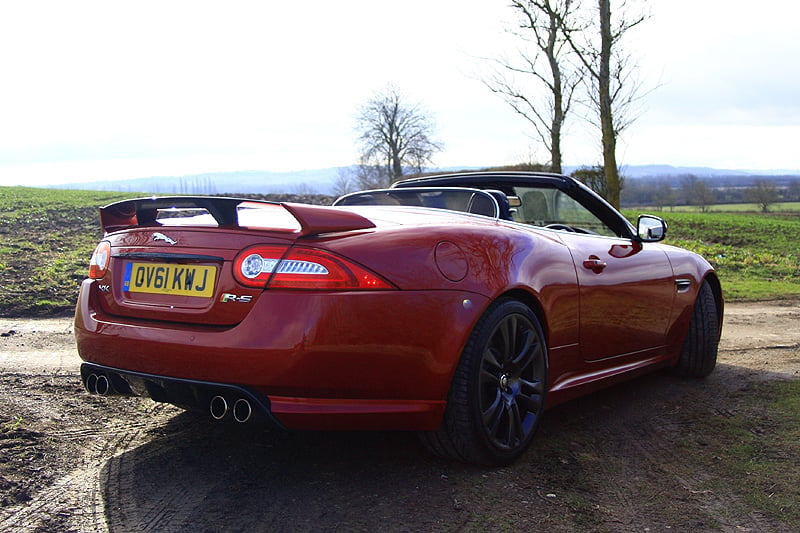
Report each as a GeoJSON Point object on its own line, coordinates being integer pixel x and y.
{"type": "Point", "coordinates": [98, 264]}
{"type": "Point", "coordinates": [277, 267]}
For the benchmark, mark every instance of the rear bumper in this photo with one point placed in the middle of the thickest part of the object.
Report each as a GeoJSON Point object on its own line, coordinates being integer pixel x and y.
{"type": "Point", "coordinates": [222, 401]}
{"type": "Point", "coordinates": [311, 361]}
{"type": "Point", "coordinates": [198, 396]}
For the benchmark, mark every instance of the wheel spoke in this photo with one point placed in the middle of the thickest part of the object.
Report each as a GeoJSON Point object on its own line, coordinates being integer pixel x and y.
{"type": "Point", "coordinates": [492, 414]}
{"type": "Point", "coordinates": [531, 404]}
{"type": "Point", "coordinates": [507, 329]}
{"type": "Point", "coordinates": [490, 356]}
{"type": "Point", "coordinates": [507, 436]}
{"type": "Point", "coordinates": [526, 354]}
{"type": "Point", "coordinates": [531, 388]}
{"type": "Point", "coordinates": [516, 432]}
{"type": "Point", "coordinates": [489, 378]}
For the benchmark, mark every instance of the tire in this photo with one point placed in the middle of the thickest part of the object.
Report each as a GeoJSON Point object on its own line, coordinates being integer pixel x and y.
{"type": "Point", "coordinates": [497, 396]}
{"type": "Point", "coordinates": [699, 355]}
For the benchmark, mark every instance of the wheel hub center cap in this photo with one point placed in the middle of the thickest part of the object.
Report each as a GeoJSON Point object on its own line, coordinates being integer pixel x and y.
{"type": "Point", "coordinates": [504, 382]}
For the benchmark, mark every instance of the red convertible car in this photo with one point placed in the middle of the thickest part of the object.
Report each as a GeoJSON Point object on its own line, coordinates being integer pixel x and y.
{"type": "Point", "coordinates": [459, 306]}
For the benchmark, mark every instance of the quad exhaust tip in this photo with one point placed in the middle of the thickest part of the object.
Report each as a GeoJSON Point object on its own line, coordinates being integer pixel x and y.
{"type": "Point", "coordinates": [241, 409]}
{"type": "Point", "coordinates": [98, 384]}
{"type": "Point", "coordinates": [218, 407]}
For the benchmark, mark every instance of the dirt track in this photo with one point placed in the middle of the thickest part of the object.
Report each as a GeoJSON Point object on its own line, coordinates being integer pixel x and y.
{"type": "Point", "coordinates": [636, 457]}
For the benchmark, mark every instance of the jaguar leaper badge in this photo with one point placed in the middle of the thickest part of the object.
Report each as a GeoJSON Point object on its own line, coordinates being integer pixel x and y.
{"type": "Point", "coordinates": [157, 236]}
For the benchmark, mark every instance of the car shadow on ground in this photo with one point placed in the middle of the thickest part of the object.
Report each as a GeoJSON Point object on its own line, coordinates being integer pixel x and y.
{"type": "Point", "coordinates": [236, 478]}
{"type": "Point", "coordinates": [197, 474]}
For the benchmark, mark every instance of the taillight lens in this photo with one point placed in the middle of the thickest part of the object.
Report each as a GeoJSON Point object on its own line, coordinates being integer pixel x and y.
{"type": "Point", "coordinates": [302, 268]}
{"type": "Point", "coordinates": [98, 264]}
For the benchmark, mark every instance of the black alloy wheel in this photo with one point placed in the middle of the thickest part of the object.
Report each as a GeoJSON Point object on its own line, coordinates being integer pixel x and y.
{"type": "Point", "coordinates": [498, 392]}
{"type": "Point", "coordinates": [511, 382]}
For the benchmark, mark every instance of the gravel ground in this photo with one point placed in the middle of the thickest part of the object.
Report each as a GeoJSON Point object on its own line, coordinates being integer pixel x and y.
{"type": "Point", "coordinates": [636, 457]}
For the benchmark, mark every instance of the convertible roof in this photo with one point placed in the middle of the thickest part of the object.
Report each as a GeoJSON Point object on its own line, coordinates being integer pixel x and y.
{"type": "Point", "coordinates": [491, 179]}
{"type": "Point", "coordinates": [505, 181]}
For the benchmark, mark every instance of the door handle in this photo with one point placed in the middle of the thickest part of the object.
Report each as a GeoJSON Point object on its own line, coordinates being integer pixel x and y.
{"type": "Point", "coordinates": [595, 264]}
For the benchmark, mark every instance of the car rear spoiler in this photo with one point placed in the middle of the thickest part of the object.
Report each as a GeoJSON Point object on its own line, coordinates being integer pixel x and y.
{"type": "Point", "coordinates": [313, 219]}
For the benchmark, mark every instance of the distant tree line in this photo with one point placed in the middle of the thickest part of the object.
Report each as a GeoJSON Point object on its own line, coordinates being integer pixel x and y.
{"type": "Point", "coordinates": [669, 191]}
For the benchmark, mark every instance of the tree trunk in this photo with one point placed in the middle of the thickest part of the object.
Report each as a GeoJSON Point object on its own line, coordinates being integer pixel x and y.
{"type": "Point", "coordinates": [609, 137]}
{"type": "Point", "coordinates": [558, 96]}
{"type": "Point", "coordinates": [397, 166]}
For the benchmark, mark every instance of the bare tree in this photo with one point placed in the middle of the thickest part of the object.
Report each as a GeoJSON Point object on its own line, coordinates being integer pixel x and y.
{"type": "Point", "coordinates": [764, 193]}
{"type": "Point", "coordinates": [345, 182]}
{"type": "Point", "coordinates": [697, 192]}
{"type": "Point", "coordinates": [706, 196]}
{"type": "Point", "coordinates": [544, 60]}
{"type": "Point", "coordinates": [395, 137]}
{"type": "Point", "coordinates": [593, 178]}
{"type": "Point", "coordinates": [663, 195]}
{"type": "Point", "coordinates": [613, 87]}
{"type": "Point", "coordinates": [793, 191]}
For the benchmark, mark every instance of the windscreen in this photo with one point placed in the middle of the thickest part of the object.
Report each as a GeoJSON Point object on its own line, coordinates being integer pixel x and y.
{"type": "Point", "coordinates": [546, 206]}
{"type": "Point", "coordinates": [453, 199]}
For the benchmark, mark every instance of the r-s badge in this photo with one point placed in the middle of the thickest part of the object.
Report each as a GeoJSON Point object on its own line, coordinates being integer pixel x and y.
{"type": "Point", "coordinates": [228, 297]}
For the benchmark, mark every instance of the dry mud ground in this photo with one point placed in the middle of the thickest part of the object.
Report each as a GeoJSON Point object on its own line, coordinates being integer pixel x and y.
{"type": "Point", "coordinates": [642, 456]}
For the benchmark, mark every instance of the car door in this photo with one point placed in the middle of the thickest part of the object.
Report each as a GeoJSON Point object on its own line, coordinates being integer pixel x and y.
{"type": "Point", "coordinates": [626, 287]}
{"type": "Point", "coordinates": [626, 294]}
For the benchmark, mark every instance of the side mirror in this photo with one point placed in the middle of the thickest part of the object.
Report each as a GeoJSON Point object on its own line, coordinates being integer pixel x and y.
{"type": "Point", "coordinates": [651, 228]}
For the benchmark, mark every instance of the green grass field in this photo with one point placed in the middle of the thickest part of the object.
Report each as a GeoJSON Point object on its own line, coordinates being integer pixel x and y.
{"type": "Point", "coordinates": [781, 207]}
{"type": "Point", "coordinates": [47, 237]}
{"type": "Point", "coordinates": [755, 254]}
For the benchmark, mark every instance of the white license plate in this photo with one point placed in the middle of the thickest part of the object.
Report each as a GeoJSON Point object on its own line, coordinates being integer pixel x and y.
{"type": "Point", "coordinates": [168, 278]}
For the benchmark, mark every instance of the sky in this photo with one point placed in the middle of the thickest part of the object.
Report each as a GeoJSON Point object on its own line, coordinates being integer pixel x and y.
{"type": "Point", "coordinates": [98, 90]}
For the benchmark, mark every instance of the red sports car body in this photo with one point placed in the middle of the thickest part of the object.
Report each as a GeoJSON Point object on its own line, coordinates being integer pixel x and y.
{"type": "Point", "coordinates": [457, 306]}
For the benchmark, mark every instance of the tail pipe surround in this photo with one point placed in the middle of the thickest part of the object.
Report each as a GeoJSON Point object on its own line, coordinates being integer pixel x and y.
{"type": "Point", "coordinates": [105, 384]}
{"type": "Point", "coordinates": [241, 409]}
{"type": "Point", "coordinates": [97, 384]}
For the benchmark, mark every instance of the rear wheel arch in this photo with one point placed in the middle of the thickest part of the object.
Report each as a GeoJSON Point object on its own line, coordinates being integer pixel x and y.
{"type": "Point", "coordinates": [532, 302]}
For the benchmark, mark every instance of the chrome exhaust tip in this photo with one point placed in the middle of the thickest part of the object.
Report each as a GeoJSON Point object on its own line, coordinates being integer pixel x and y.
{"type": "Point", "coordinates": [103, 386]}
{"type": "Point", "coordinates": [218, 407]}
{"type": "Point", "coordinates": [242, 410]}
{"type": "Point", "coordinates": [91, 383]}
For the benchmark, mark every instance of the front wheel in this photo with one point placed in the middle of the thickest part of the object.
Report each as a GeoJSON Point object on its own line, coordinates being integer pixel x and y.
{"type": "Point", "coordinates": [497, 396]}
{"type": "Point", "coordinates": [699, 354]}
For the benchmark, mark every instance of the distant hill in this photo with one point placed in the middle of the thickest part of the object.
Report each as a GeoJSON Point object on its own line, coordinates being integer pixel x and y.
{"type": "Point", "coordinates": [322, 180]}
{"type": "Point", "coordinates": [249, 181]}
{"type": "Point", "coordinates": [670, 171]}
{"type": "Point", "coordinates": [657, 171]}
